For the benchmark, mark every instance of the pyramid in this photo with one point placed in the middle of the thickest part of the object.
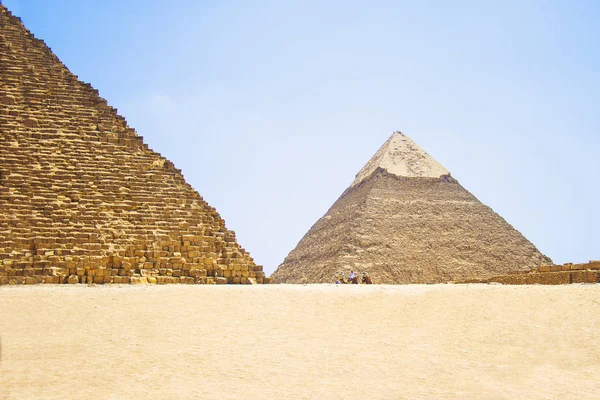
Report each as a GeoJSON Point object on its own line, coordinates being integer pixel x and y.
{"type": "Point", "coordinates": [405, 219]}
{"type": "Point", "coordinates": [82, 198]}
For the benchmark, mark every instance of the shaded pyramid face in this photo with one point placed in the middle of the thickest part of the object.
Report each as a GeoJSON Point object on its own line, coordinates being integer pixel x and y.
{"type": "Point", "coordinates": [406, 220]}
{"type": "Point", "coordinates": [82, 198]}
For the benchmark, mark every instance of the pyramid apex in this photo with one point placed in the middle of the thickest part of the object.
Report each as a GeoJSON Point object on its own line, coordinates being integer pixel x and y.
{"type": "Point", "coordinates": [400, 156]}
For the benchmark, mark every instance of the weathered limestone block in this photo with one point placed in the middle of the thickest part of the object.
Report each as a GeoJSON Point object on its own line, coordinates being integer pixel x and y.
{"type": "Point", "coordinates": [593, 265]}
{"type": "Point", "coordinates": [116, 261]}
{"type": "Point", "coordinates": [73, 279]}
{"type": "Point", "coordinates": [95, 262]}
{"type": "Point", "coordinates": [555, 278]}
{"type": "Point", "coordinates": [197, 272]}
{"type": "Point", "coordinates": [220, 280]}
{"type": "Point", "coordinates": [585, 277]}
{"type": "Point", "coordinates": [8, 100]}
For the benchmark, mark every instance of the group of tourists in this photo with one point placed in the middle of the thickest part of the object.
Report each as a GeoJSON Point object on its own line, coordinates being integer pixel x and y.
{"type": "Point", "coordinates": [353, 278]}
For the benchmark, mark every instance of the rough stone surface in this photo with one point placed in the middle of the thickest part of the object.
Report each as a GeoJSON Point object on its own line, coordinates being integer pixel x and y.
{"type": "Point", "coordinates": [82, 198]}
{"type": "Point", "coordinates": [408, 226]}
{"type": "Point", "coordinates": [400, 156]}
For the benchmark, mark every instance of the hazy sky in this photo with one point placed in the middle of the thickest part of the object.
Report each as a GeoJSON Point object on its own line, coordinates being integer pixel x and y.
{"type": "Point", "coordinates": [270, 108]}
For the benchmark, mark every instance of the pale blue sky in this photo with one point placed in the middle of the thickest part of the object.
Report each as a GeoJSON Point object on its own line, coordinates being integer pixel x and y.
{"type": "Point", "coordinates": [270, 108]}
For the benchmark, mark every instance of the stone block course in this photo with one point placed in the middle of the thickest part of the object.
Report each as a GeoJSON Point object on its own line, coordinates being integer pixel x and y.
{"type": "Point", "coordinates": [549, 275]}
{"type": "Point", "coordinates": [585, 276]}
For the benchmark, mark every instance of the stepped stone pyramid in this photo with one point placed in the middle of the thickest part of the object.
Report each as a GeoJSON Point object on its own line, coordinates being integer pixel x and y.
{"type": "Point", "coordinates": [405, 219]}
{"type": "Point", "coordinates": [82, 198]}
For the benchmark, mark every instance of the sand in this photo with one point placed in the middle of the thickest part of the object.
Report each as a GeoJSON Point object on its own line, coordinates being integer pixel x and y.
{"type": "Point", "coordinates": [300, 342]}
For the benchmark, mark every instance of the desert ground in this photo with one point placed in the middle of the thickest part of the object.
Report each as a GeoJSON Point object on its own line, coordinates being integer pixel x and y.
{"type": "Point", "coordinates": [300, 342]}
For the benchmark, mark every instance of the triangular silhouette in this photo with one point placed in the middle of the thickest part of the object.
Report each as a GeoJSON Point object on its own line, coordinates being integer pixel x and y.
{"type": "Point", "coordinates": [82, 198]}
{"type": "Point", "coordinates": [406, 220]}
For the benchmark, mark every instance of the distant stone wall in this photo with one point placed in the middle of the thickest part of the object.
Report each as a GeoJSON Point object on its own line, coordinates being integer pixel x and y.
{"type": "Point", "coordinates": [549, 275]}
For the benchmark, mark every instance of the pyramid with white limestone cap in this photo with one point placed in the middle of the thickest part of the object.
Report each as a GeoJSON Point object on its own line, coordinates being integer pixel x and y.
{"type": "Point", "coordinates": [404, 219]}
